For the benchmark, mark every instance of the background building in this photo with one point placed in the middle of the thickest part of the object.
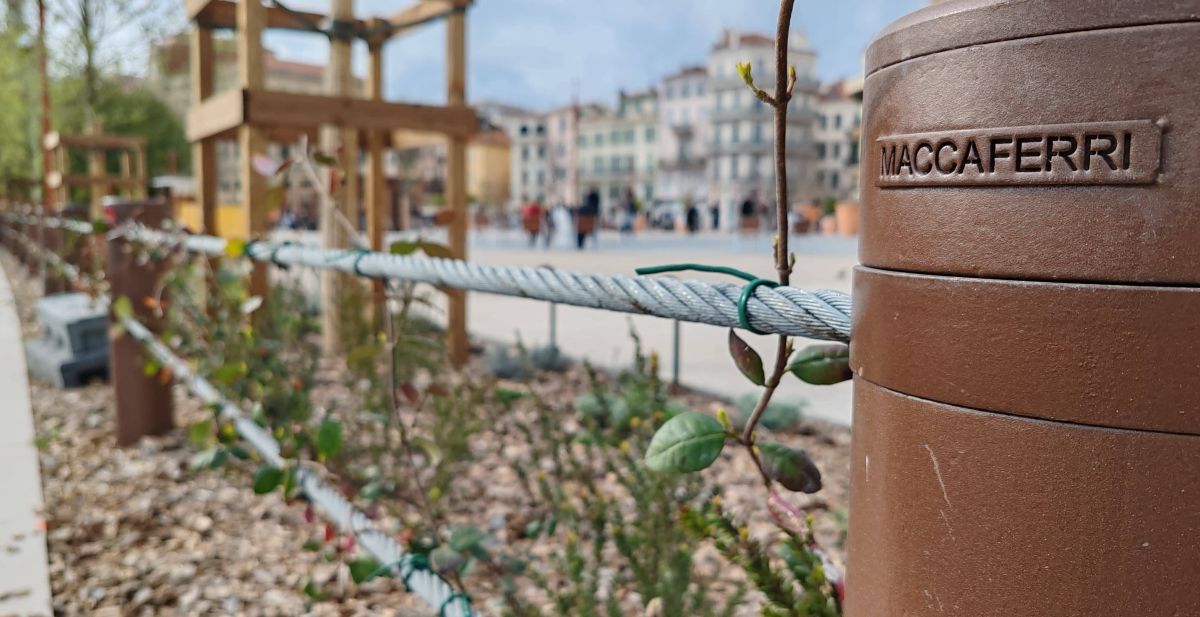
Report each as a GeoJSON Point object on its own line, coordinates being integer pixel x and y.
{"type": "Point", "coordinates": [839, 118]}
{"type": "Point", "coordinates": [529, 169]}
{"type": "Point", "coordinates": [742, 159]}
{"type": "Point", "coordinates": [618, 150]}
{"type": "Point", "coordinates": [684, 137]}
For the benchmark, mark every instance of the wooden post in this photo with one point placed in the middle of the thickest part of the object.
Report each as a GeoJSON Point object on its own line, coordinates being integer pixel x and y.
{"type": "Point", "coordinates": [344, 141]}
{"type": "Point", "coordinates": [250, 20]}
{"type": "Point", "coordinates": [204, 151]}
{"type": "Point", "coordinates": [143, 402]}
{"type": "Point", "coordinates": [456, 180]}
{"type": "Point", "coordinates": [376, 192]}
{"type": "Point", "coordinates": [97, 170]}
{"type": "Point", "coordinates": [142, 172]}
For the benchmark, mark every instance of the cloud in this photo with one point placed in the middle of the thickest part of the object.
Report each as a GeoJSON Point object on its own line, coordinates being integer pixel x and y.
{"type": "Point", "coordinates": [541, 53]}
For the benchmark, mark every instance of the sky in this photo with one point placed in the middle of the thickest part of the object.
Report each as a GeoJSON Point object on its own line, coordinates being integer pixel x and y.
{"type": "Point", "coordinates": [544, 53]}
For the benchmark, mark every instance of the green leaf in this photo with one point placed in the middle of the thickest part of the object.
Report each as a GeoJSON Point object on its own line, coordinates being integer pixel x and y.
{"type": "Point", "coordinates": [289, 483]}
{"type": "Point", "coordinates": [466, 538]}
{"type": "Point", "coordinates": [212, 458]}
{"type": "Point", "coordinates": [823, 364]}
{"type": "Point", "coordinates": [267, 479]}
{"type": "Point", "coordinates": [688, 442]}
{"type": "Point", "coordinates": [444, 559]}
{"type": "Point", "coordinates": [504, 396]}
{"type": "Point", "coordinates": [313, 591]}
{"type": "Point", "coordinates": [229, 373]}
{"type": "Point", "coordinates": [100, 226]}
{"type": "Point", "coordinates": [790, 467]}
{"type": "Point", "coordinates": [321, 158]}
{"type": "Point", "coordinates": [151, 368]}
{"type": "Point", "coordinates": [746, 359]}
{"type": "Point", "coordinates": [362, 568]}
{"type": "Point", "coordinates": [429, 447]}
{"type": "Point", "coordinates": [433, 249]}
{"type": "Point", "coordinates": [122, 308]}
{"type": "Point", "coordinates": [200, 434]}
{"type": "Point", "coordinates": [404, 248]}
{"type": "Point", "coordinates": [743, 69]}
{"type": "Point", "coordinates": [329, 438]}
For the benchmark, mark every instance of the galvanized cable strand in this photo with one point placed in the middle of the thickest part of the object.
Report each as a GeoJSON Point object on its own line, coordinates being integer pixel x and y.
{"type": "Point", "coordinates": [822, 314]}
{"type": "Point", "coordinates": [54, 222]}
{"type": "Point", "coordinates": [429, 586]}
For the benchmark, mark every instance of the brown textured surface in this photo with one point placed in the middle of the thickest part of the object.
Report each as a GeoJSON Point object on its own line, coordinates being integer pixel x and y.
{"type": "Point", "coordinates": [959, 512]}
{"type": "Point", "coordinates": [1111, 355]}
{"type": "Point", "coordinates": [961, 23]}
{"type": "Point", "coordinates": [143, 403]}
{"type": "Point", "coordinates": [1134, 233]}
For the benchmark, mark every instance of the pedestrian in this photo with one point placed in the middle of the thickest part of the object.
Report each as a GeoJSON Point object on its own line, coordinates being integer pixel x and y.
{"type": "Point", "coordinates": [531, 219]}
{"type": "Point", "coordinates": [692, 218]}
{"type": "Point", "coordinates": [627, 211]}
{"type": "Point", "coordinates": [750, 212]}
{"type": "Point", "coordinates": [585, 217]}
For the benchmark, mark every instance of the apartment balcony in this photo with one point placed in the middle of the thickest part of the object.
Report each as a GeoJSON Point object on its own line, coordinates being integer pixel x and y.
{"type": "Point", "coordinates": [798, 115]}
{"type": "Point", "coordinates": [690, 163]}
{"type": "Point", "coordinates": [807, 85]}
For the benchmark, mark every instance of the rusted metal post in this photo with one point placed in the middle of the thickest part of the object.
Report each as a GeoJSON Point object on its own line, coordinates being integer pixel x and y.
{"type": "Point", "coordinates": [1026, 349]}
{"type": "Point", "coordinates": [143, 402]}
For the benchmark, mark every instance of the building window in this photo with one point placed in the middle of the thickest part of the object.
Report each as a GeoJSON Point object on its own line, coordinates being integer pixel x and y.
{"type": "Point", "coordinates": [837, 151]}
{"type": "Point", "coordinates": [733, 138]}
{"type": "Point", "coordinates": [853, 158]}
{"type": "Point", "coordinates": [833, 179]}
{"type": "Point", "coordinates": [733, 167]}
{"type": "Point", "coordinates": [524, 130]}
{"type": "Point", "coordinates": [758, 132]}
{"type": "Point", "coordinates": [598, 164]}
{"type": "Point", "coordinates": [628, 136]}
{"type": "Point", "coordinates": [686, 90]}
{"type": "Point", "coordinates": [821, 120]}
{"type": "Point", "coordinates": [541, 129]}
{"type": "Point", "coordinates": [837, 121]}
{"type": "Point", "coordinates": [820, 149]}
{"type": "Point", "coordinates": [599, 139]}
{"type": "Point", "coordinates": [541, 152]}
{"type": "Point", "coordinates": [615, 137]}
{"type": "Point", "coordinates": [649, 134]}
{"type": "Point", "coordinates": [524, 178]}
{"type": "Point", "coordinates": [541, 178]}
{"type": "Point", "coordinates": [524, 153]}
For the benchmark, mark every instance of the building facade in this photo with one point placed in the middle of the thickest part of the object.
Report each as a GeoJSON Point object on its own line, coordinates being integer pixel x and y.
{"type": "Point", "coordinates": [529, 146]}
{"type": "Point", "coordinates": [684, 137]}
{"type": "Point", "coordinates": [839, 120]}
{"type": "Point", "coordinates": [618, 151]}
{"type": "Point", "coordinates": [741, 165]}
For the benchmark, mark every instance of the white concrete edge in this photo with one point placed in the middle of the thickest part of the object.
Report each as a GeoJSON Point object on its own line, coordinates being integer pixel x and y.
{"type": "Point", "coordinates": [24, 572]}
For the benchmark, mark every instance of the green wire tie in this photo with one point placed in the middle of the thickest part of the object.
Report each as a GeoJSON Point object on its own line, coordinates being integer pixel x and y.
{"type": "Point", "coordinates": [458, 595]}
{"type": "Point", "coordinates": [414, 561]}
{"type": "Point", "coordinates": [753, 282]}
{"type": "Point", "coordinates": [362, 252]}
{"type": "Point", "coordinates": [275, 254]}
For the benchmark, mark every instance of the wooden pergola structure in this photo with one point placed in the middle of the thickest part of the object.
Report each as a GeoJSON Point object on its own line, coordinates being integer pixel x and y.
{"type": "Point", "coordinates": [131, 180]}
{"type": "Point", "coordinates": [253, 115]}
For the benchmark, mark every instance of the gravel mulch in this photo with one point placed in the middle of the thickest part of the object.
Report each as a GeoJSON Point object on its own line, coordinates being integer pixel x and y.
{"type": "Point", "coordinates": [133, 531]}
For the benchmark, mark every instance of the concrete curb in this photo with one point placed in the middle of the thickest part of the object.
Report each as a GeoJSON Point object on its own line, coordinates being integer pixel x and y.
{"type": "Point", "coordinates": [24, 573]}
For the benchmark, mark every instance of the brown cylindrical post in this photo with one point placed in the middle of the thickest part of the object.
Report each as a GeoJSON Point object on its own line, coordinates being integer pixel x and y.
{"type": "Point", "coordinates": [1026, 342]}
{"type": "Point", "coordinates": [143, 402]}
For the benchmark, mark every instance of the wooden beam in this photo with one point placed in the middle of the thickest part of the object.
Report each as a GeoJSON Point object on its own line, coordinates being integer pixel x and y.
{"type": "Point", "coordinates": [223, 14]}
{"type": "Point", "coordinates": [54, 140]}
{"type": "Point", "coordinates": [340, 138]}
{"type": "Point", "coordinates": [375, 198]}
{"type": "Point", "coordinates": [291, 109]}
{"type": "Point", "coordinates": [423, 12]}
{"type": "Point", "coordinates": [456, 181]}
{"type": "Point", "coordinates": [57, 179]}
{"type": "Point", "coordinates": [204, 150]}
{"type": "Point", "coordinates": [250, 22]}
{"type": "Point", "coordinates": [217, 116]}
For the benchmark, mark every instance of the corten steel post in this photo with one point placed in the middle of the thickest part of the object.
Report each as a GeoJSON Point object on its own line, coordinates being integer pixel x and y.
{"type": "Point", "coordinates": [143, 402]}
{"type": "Point", "coordinates": [1027, 315]}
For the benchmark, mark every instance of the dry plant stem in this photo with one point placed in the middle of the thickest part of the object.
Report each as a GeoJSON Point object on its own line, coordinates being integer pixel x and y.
{"type": "Point", "coordinates": [782, 265]}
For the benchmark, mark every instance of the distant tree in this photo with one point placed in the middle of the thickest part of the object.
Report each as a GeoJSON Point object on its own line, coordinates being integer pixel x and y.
{"type": "Point", "coordinates": [100, 39]}
{"type": "Point", "coordinates": [18, 123]}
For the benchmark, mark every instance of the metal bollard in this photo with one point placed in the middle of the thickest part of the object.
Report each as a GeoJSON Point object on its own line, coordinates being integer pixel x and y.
{"type": "Point", "coordinates": [143, 402]}
{"type": "Point", "coordinates": [1026, 344]}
